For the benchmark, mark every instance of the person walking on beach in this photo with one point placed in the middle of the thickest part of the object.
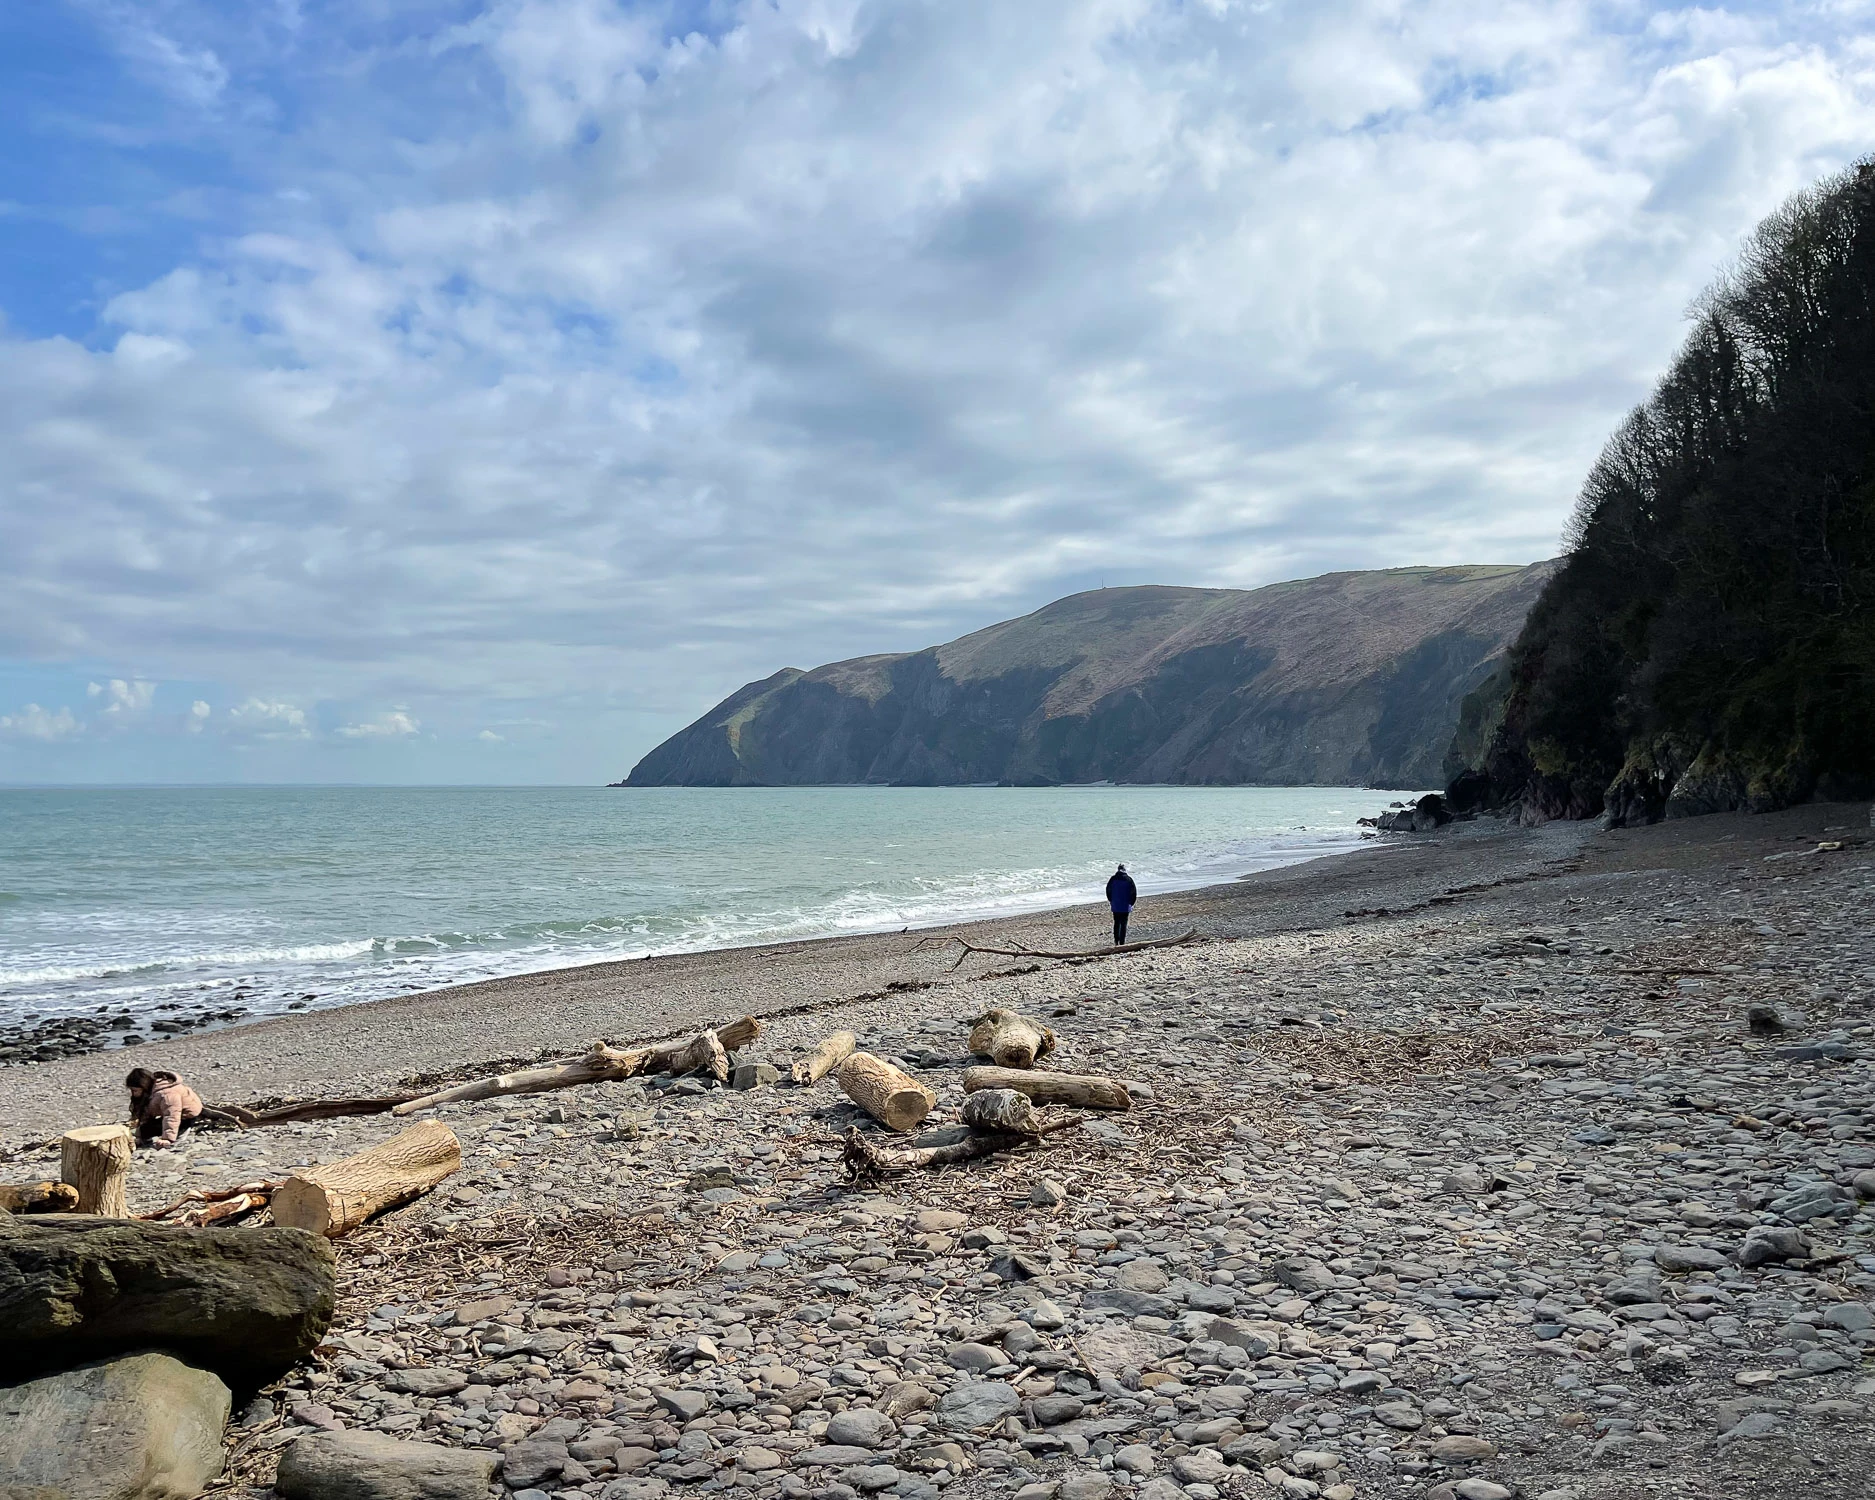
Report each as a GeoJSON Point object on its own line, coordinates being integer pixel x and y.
{"type": "Point", "coordinates": [162, 1106]}
{"type": "Point", "coordinates": [1121, 894]}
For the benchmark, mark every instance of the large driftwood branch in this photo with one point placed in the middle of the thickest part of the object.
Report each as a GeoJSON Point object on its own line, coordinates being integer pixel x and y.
{"type": "Point", "coordinates": [706, 1052]}
{"type": "Point", "coordinates": [967, 948]}
{"type": "Point", "coordinates": [1082, 1090]}
{"type": "Point", "coordinates": [304, 1109]}
{"type": "Point", "coordinates": [205, 1205]}
{"type": "Point", "coordinates": [341, 1195]}
{"type": "Point", "coordinates": [866, 1162]}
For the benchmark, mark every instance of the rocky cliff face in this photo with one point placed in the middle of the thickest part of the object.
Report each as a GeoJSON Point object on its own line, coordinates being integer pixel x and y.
{"type": "Point", "coordinates": [1351, 678]}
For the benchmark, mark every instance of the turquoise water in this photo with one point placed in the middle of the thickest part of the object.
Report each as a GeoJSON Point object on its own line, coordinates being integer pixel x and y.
{"type": "Point", "coordinates": [270, 898]}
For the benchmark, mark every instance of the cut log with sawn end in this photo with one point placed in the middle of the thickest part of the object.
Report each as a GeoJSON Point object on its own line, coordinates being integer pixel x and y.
{"type": "Point", "coordinates": [1001, 1112]}
{"type": "Point", "coordinates": [1084, 1091]}
{"type": "Point", "coordinates": [889, 1094]}
{"type": "Point", "coordinates": [1010, 1040]}
{"type": "Point", "coordinates": [95, 1159]}
{"type": "Point", "coordinates": [336, 1198]}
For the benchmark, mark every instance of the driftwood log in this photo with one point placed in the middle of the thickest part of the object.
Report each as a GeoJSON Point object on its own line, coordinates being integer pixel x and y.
{"type": "Point", "coordinates": [246, 1117]}
{"type": "Point", "coordinates": [966, 948]}
{"type": "Point", "coordinates": [215, 1205]}
{"type": "Point", "coordinates": [1000, 1112]}
{"type": "Point", "coordinates": [1010, 1040]}
{"type": "Point", "coordinates": [335, 1199]}
{"type": "Point", "coordinates": [38, 1198]}
{"type": "Point", "coordinates": [1081, 1090]}
{"type": "Point", "coordinates": [831, 1052]}
{"type": "Point", "coordinates": [866, 1162]}
{"type": "Point", "coordinates": [706, 1052]}
{"type": "Point", "coordinates": [95, 1159]}
{"type": "Point", "coordinates": [890, 1095]}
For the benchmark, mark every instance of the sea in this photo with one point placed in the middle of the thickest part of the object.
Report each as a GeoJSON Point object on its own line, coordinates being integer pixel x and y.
{"type": "Point", "coordinates": [246, 902]}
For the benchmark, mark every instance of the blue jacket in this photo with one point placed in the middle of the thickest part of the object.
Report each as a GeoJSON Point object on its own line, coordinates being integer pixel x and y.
{"type": "Point", "coordinates": [1121, 892]}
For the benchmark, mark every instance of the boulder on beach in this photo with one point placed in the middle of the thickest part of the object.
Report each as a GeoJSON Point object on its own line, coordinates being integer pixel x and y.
{"type": "Point", "coordinates": [248, 1304]}
{"type": "Point", "coordinates": [145, 1427]}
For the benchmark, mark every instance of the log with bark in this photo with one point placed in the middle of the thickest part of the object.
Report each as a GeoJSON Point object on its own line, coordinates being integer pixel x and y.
{"type": "Point", "coordinates": [247, 1117]}
{"type": "Point", "coordinates": [1001, 1112]}
{"type": "Point", "coordinates": [1084, 1091]}
{"type": "Point", "coordinates": [38, 1198]}
{"type": "Point", "coordinates": [706, 1052]}
{"type": "Point", "coordinates": [866, 1162]}
{"type": "Point", "coordinates": [889, 1094]}
{"type": "Point", "coordinates": [831, 1052]}
{"type": "Point", "coordinates": [966, 948]}
{"type": "Point", "coordinates": [1010, 1040]}
{"type": "Point", "coordinates": [336, 1198]}
{"type": "Point", "coordinates": [95, 1159]}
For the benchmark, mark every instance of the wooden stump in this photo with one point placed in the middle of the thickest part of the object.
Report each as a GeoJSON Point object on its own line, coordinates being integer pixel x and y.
{"type": "Point", "coordinates": [1082, 1090]}
{"type": "Point", "coordinates": [338, 1197]}
{"type": "Point", "coordinates": [95, 1160]}
{"type": "Point", "coordinates": [890, 1095]}
{"type": "Point", "coordinates": [1001, 1112]}
{"type": "Point", "coordinates": [832, 1051]}
{"type": "Point", "coordinates": [1010, 1040]}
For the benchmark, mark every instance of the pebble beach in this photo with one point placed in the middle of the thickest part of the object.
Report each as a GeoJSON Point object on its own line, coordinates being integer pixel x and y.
{"type": "Point", "coordinates": [1461, 1166]}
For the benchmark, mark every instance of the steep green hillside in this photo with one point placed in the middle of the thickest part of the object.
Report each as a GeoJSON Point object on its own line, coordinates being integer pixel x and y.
{"type": "Point", "coordinates": [1352, 677]}
{"type": "Point", "coordinates": [1709, 641]}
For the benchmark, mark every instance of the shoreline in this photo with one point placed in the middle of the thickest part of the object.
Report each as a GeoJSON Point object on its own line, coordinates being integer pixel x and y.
{"type": "Point", "coordinates": [559, 1011]}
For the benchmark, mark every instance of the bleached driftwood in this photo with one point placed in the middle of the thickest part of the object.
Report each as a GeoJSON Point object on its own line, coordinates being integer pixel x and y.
{"type": "Point", "coordinates": [1000, 1112]}
{"type": "Point", "coordinates": [341, 1195]}
{"type": "Point", "coordinates": [831, 1052]}
{"type": "Point", "coordinates": [966, 948]}
{"type": "Point", "coordinates": [706, 1052]}
{"type": "Point", "coordinates": [890, 1095]}
{"type": "Point", "coordinates": [95, 1159]}
{"type": "Point", "coordinates": [215, 1205]}
{"type": "Point", "coordinates": [866, 1162]}
{"type": "Point", "coordinates": [38, 1198]}
{"type": "Point", "coordinates": [1009, 1039]}
{"type": "Point", "coordinates": [1084, 1091]}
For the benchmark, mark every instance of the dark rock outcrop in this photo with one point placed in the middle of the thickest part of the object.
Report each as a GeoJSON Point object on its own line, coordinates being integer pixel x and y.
{"type": "Point", "coordinates": [248, 1304]}
{"type": "Point", "coordinates": [1351, 678]}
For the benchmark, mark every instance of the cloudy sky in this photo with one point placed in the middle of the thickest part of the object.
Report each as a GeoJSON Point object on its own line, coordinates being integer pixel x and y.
{"type": "Point", "coordinates": [432, 390]}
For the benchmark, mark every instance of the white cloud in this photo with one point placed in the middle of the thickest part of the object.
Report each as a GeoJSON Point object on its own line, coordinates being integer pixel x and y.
{"type": "Point", "coordinates": [489, 737]}
{"type": "Point", "coordinates": [266, 720]}
{"type": "Point", "coordinates": [569, 346]}
{"type": "Point", "coordinates": [198, 717]}
{"type": "Point", "coordinates": [121, 698]}
{"type": "Point", "coordinates": [36, 723]}
{"type": "Point", "coordinates": [387, 726]}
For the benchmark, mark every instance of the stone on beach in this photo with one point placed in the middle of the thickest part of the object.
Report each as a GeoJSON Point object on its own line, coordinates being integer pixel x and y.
{"type": "Point", "coordinates": [144, 1427]}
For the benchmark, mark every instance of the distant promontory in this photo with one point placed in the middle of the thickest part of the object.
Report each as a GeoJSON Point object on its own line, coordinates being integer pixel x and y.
{"type": "Point", "coordinates": [1346, 679]}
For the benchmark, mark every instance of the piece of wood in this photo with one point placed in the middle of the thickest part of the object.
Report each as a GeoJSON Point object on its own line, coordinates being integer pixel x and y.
{"type": "Point", "coordinates": [702, 1053]}
{"type": "Point", "coordinates": [966, 948]}
{"type": "Point", "coordinates": [599, 1065]}
{"type": "Point", "coordinates": [246, 1117]}
{"type": "Point", "coordinates": [866, 1162]}
{"type": "Point", "coordinates": [890, 1095]}
{"type": "Point", "coordinates": [831, 1052]}
{"type": "Point", "coordinates": [1001, 1112]}
{"type": "Point", "coordinates": [338, 1197]}
{"type": "Point", "coordinates": [739, 1033]}
{"type": "Point", "coordinates": [1081, 1090]}
{"type": "Point", "coordinates": [1010, 1040]}
{"type": "Point", "coordinates": [261, 1190]}
{"type": "Point", "coordinates": [38, 1198]}
{"type": "Point", "coordinates": [95, 1159]}
{"type": "Point", "coordinates": [706, 1052]}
